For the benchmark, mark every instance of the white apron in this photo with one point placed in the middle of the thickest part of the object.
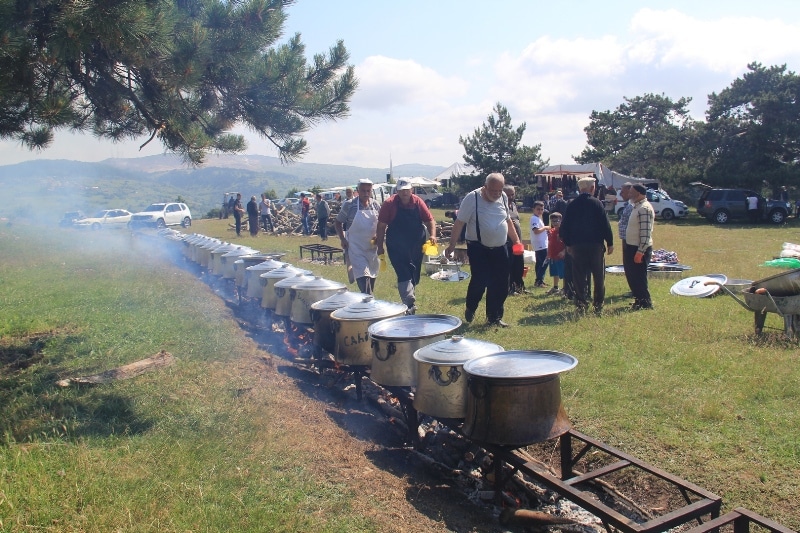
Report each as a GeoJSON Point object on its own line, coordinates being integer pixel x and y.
{"type": "Point", "coordinates": [363, 254]}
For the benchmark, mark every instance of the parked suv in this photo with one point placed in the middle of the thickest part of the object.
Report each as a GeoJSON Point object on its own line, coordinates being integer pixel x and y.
{"type": "Point", "coordinates": [722, 205]}
{"type": "Point", "coordinates": [161, 215]}
{"type": "Point", "coordinates": [664, 207]}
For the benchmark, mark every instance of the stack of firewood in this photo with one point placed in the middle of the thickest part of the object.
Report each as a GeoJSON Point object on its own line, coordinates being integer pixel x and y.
{"type": "Point", "coordinates": [287, 222]}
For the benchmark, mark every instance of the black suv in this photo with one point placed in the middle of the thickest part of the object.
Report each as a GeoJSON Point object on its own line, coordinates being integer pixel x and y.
{"type": "Point", "coordinates": [722, 205]}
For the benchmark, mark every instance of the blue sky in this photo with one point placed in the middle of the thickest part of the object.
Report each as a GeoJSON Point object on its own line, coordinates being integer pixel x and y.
{"type": "Point", "coordinates": [431, 71]}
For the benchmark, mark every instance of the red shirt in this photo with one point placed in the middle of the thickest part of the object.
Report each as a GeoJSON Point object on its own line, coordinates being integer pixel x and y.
{"type": "Point", "coordinates": [305, 205]}
{"type": "Point", "coordinates": [389, 209]}
{"type": "Point", "coordinates": [554, 244]}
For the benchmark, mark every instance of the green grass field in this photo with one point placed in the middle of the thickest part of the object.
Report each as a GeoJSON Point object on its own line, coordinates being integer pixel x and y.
{"type": "Point", "coordinates": [687, 386]}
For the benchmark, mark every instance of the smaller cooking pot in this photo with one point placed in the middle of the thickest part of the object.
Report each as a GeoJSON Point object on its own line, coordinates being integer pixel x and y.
{"type": "Point", "coordinates": [321, 316]}
{"type": "Point", "coordinates": [227, 260]}
{"type": "Point", "coordinates": [350, 326]}
{"type": "Point", "coordinates": [269, 299]}
{"type": "Point", "coordinates": [441, 383]}
{"type": "Point", "coordinates": [282, 287]}
{"type": "Point", "coordinates": [253, 272]}
{"type": "Point", "coordinates": [394, 341]}
{"type": "Point", "coordinates": [304, 295]}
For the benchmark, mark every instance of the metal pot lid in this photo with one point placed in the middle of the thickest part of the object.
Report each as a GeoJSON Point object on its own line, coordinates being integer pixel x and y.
{"type": "Point", "coordinates": [224, 248]}
{"type": "Point", "coordinates": [520, 364]}
{"type": "Point", "coordinates": [695, 287]}
{"type": "Point", "coordinates": [270, 265]}
{"type": "Point", "coordinates": [449, 275]}
{"type": "Point", "coordinates": [240, 251]}
{"type": "Point", "coordinates": [342, 298]}
{"type": "Point", "coordinates": [668, 266]}
{"type": "Point", "coordinates": [369, 309]}
{"type": "Point", "coordinates": [213, 243]}
{"type": "Point", "coordinates": [456, 350]}
{"type": "Point", "coordinates": [615, 269]}
{"type": "Point", "coordinates": [722, 278]}
{"type": "Point", "coordinates": [291, 281]}
{"type": "Point", "coordinates": [318, 283]}
{"type": "Point", "coordinates": [412, 327]}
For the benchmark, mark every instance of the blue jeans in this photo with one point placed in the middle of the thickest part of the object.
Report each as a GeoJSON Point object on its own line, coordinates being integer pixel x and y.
{"type": "Point", "coordinates": [306, 224]}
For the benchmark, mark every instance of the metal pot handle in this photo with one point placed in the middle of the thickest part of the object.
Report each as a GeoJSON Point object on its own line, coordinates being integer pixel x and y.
{"type": "Point", "coordinates": [435, 374]}
{"type": "Point", "coordinates": [335, 326]}
{"type": "Point", "coordinates": [477, 387]}
{"type": "Point", "coordinates": [313, 314]}
{"type": "Point", "coordinates": [391, 349]}
{"type": "Point", "coordinates": [279, 291]}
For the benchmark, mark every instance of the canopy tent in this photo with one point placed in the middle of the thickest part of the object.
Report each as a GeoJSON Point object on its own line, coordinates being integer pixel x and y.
{"type": "Point", "coordinates": [455, 170]}
{"type": "Point", "coordinates": [604, 175]}
{"type": "Point", "coordinates": [419, 181]}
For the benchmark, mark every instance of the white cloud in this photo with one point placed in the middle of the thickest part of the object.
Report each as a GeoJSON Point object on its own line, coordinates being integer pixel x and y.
{"type": "Point", "coordinates": [385, 83]}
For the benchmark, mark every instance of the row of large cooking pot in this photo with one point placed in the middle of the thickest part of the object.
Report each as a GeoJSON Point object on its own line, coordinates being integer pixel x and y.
{"type": "Point", "coordinates": [503, 397]}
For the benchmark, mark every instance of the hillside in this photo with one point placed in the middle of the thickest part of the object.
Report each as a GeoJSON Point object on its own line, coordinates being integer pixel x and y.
{"type": "Point", "coordinates": [55, 186]}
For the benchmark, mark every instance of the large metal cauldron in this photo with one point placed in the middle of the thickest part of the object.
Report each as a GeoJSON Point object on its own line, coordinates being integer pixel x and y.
{"type": "Point", "coordinates": [324, 337]}
{"type": "Point", "coordinates": [304, 295]}
{"type": "Point", "coordinates": [394, 341]}
{"type": "Point", "coordinates": [283, 304]}
{"type": "Point", "coordinates": [350, 328]}
{"type": "Point", "coordinates": [441, 382]}
{"type": "Point", "coordinates": [269, 299]}
{"type": "Point", "coordinates": [514, 397]}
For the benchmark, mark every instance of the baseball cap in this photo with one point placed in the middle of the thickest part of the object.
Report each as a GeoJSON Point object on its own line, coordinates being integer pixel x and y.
{"type": "Point", "coordinates": [404, 184]}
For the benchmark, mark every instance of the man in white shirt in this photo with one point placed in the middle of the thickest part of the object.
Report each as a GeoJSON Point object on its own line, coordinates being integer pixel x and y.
{"type": "Point", "coordinates": [485, 214]}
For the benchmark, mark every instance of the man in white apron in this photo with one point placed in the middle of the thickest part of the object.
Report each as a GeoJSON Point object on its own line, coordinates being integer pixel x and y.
{"type": "Point", "coordinates": [359, 217]}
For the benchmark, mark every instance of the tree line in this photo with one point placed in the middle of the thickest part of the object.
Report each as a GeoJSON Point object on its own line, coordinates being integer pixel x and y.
{"type": "Point", "coordinates": [750, 137]}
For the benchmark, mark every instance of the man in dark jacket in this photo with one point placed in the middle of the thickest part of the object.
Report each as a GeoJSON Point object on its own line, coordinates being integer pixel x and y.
{"type": "Point", "coordinates": [587, 234]}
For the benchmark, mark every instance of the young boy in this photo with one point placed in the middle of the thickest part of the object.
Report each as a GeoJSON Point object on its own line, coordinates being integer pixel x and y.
{"type": "Point", "coordinates": [539, 242]}
{"type": "Point", "coordinates": [555, 251]}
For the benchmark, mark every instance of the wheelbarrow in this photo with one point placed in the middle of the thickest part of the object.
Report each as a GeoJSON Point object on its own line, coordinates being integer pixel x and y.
{"type": "Point", "coordinates": [762, 302]}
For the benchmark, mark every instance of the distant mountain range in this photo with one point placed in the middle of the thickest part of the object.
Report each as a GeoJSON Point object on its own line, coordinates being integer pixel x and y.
{"type": "Point", "coordinates": [65, 185]}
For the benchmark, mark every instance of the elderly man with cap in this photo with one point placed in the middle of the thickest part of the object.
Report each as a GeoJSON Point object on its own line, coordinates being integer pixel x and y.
{"type": "Point", "coordinates": [639, 247]}
{"type": "Point", "coordinates": [485, 214]}
{"type": "Point", "coordinates": [584, 230]}
{"type": "Point", "coordinates": [359, 218]}
{"type": "Point", "coordinates": [406, 223]}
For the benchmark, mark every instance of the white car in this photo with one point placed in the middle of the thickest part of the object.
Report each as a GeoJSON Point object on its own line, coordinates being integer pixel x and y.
{"type": "Point", "coordinates": [162, 215]}
{"type": "Point", "coordinates": [665, 207]}
{"type": "Point", "coordinates": [107, 218]}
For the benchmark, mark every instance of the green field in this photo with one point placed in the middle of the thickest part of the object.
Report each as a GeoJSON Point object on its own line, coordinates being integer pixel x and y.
{"type": "Point", "coordinates": [687, 386]}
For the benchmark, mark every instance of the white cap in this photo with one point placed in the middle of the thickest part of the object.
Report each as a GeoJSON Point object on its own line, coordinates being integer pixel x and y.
{"type": "Point", "coordinates": [365, 181]}
{"type": "Point", "coordinates": [404, 184]}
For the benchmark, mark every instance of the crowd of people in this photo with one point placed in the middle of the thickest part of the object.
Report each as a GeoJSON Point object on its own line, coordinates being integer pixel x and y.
{"type": "Point", "coordinates": [569, 241]}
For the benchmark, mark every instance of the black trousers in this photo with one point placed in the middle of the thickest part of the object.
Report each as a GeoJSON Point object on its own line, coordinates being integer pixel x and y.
{"type": "Point", "coordinates": [490, 272]}
{"type": "Point", "coordinates": [636, 274]}
{"type": "Point", "coordinates": [516, 269]}
{"type": "Point", "coordinates": [588, 260]}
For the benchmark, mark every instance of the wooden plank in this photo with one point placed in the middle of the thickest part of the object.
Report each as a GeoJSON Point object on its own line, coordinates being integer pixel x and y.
{"type": "Point", "coordinates": [161, 359]}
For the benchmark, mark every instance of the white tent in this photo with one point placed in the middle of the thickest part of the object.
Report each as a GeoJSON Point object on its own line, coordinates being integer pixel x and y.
{"type": "Point", "coordinates": [420, 181]}
{"type": "Point", "coordinates": [605, 175]}
{"type": "Point", "coordinates": [455, 170]}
